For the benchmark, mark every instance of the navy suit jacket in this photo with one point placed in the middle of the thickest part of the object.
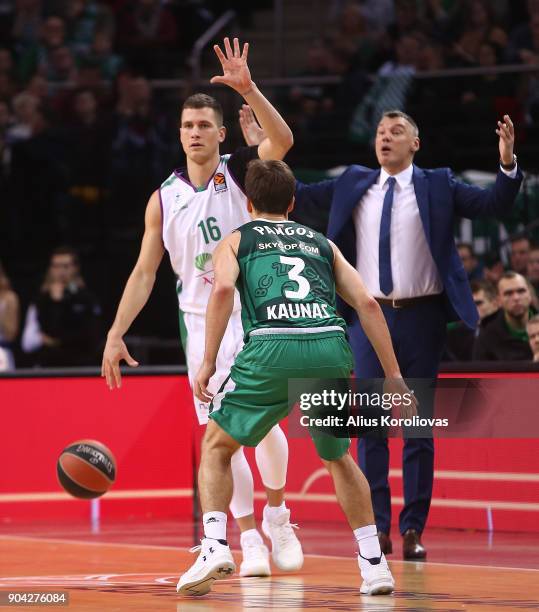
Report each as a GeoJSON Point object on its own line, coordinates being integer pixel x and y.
{"type": "Point", "coordinates": [440, 199]}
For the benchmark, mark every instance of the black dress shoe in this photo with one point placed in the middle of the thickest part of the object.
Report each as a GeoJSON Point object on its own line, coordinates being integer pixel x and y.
{"type": "Point", "coordinates": [385, 543]}
{"type": "Point", "coordinates": [412, 549]}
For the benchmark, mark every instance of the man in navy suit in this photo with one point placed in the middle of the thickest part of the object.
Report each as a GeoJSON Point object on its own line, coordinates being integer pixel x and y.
{"type": "Point", "coordinates": [395, 225]}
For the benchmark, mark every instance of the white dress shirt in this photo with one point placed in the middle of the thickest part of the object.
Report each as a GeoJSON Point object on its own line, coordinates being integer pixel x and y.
{"type": "Point", "coordinates": [412, 267]}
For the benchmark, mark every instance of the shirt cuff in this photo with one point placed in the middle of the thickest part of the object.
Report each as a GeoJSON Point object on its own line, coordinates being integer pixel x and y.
{"type": "Point", "coordinates": [510, 173]}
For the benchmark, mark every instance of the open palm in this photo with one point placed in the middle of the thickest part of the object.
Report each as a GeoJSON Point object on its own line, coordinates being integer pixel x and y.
{"type": "Point", "coordinates": [236, 73]}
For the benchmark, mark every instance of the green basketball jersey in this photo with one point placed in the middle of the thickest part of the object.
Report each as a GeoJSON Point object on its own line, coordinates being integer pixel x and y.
{"type": "Point", "coordinates": [286, 277]}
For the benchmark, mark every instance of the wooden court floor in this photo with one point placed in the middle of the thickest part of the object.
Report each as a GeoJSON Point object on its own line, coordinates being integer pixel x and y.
{"type": "Point", "coordinates": [120, 576]}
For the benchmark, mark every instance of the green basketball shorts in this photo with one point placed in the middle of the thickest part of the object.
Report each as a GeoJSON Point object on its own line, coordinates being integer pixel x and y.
{"type": "Point", "coordinates": [259, 398]}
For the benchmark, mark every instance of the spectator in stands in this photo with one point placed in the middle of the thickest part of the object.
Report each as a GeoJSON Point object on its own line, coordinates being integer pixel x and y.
{"type": "Point", "coordinates": [505, 338]}
{"type": "Point", "coordinates": [62, 326]}
{"type": "Point", "coordinates": [83, 18]}
{"type": "Point", "coordinates": [533, 336]}
{"type": "Point", "coordinates": [524, 42]}
{"type": "Point", "coordinates": [469, 260]}
{"type": "Point", "coordinates": [25, 108]}
{"type": "Point", "coordinates": [485, 297]}
{"type": "Point", "coordinates": [389, 89]}
{"type": "Point", "coordinates": [351, 37]}
{"type": "Point", "coordinates": [61, 66]}
{"type": "Point", "coordinates": [101, 55]}
{"type": "Point", "coordinates": [520, 253]}
{"type": "Point", "coordinates": [27, 24]}
{"type": "Point", "coordinates": [479, 28]}
{"type": "Point", "coordinates": [87, 139]}
{"type": "Point", "coordinates": [147, 33]}
{"type": "Point", "coordinates": [532, 268]}
{"type": "Point", "coordinates": [480, 97]}
{"type": "Point", "coordinates": [9, 321]}
{"type": "Point", "coordinates": [493, 268]}
{"type": "Point", "coordinates": [37, 57]}
{"type": "Point", "coordinates": [460, 338]}
{"type": "Point", "coordinates": [39, 88]}
{"type": "Point", "coordinates": [139, 150]}
{"type": "Point", "coordinates": [6, 62]}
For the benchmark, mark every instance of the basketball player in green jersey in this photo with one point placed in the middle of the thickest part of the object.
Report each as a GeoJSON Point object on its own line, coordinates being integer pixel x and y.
{"type": "Point", "coordinates": [286, 275]}
{"type": "Point", "coordinates": [188, 215]}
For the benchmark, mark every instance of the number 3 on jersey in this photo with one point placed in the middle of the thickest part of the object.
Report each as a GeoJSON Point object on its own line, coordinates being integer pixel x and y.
{"type": "Point", "coordinates": [294, 274]}
{"type": "Point", "coordinates": [210, 230]}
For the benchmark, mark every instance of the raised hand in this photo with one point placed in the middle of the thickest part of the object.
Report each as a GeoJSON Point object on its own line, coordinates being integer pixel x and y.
{"type": "Point", "coordinates": [506, 132]}
{"type": "Point", "coordinates": [235, 69]}
{"type": "Point", "coordinates": [253, 134]}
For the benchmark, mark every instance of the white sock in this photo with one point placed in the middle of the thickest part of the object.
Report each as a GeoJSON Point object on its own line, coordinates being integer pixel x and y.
{"type": "Point", "coordinates": [367, 539]}
{"type": "Point", "coordinates": [250, 535]}
{"type": "Point", "coordinates": [214, 525]}
{"type": "Point", "coordinates": [242, 503]}
{"type": "Point", "coordinates": [272, 459]}
{"type": "Point", "coordinates": [272, 512]}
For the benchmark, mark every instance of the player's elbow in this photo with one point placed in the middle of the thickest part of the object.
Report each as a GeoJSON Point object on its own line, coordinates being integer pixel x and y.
{"type": "Point", "coordinates": [288, 141]}
{"type": "Point", "coordinates": [368, 307]}
{"type": "Point", "coordinates": [223, 290]}
{"type": "Point", "coordinates": [284, 144]}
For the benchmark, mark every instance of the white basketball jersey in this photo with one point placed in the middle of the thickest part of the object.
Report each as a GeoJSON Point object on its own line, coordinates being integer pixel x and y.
{"type": "Point", "coordinates": [194, 222]}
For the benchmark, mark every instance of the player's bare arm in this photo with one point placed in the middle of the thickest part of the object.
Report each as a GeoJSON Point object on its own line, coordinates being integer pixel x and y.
{"type": "Point", "coordinates": [236, 74]}
{"type": "Point", "coordinates": [220, 306]}
{"type": "Point", "coordinates": [136, 293]}
{"type": "Point", "coordinates": [351, 288]}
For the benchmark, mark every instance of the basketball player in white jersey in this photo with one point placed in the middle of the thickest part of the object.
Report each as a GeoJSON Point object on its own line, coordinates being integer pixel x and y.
{"type": "Point", "coordinates": [188, 215]}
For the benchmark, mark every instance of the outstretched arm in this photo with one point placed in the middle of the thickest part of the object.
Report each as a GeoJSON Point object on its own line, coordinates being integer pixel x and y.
{"type": "Point", "coordinates": [219, 309]}
{"type": "Point", "coordinates": [472, 201]}
{"type": "Point", "coordinates": [236, 75]}
{"type": "Point", "coordinates": [136, 293]}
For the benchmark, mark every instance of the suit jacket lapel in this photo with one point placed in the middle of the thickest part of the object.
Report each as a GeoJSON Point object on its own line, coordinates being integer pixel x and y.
{"type": "Point", "coordinates": [346, 199]}
{"type": "Point", "coordinates": [421, 188]}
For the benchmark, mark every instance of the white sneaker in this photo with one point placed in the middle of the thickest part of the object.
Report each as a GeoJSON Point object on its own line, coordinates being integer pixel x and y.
{"type": "Point", "coordinates": [255, 558]}
{"type": "Point", "coordinates": [286, 549]}
{"type": "Point", "coordinates": [215, 562]}
{"type": "Point", "coordinates": [377, 579]}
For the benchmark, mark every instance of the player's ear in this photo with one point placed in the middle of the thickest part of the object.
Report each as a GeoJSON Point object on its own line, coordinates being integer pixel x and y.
{"type": "Point", "coordinates": [291, 205]}
{"type": "Point", "coordinates": [249, 206]}
{"type": "Point", "coordinates": [222, 133]}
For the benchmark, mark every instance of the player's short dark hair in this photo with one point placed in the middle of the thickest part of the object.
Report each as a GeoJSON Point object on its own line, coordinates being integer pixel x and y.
{"type": "Point", "coordinates": [201, 100]}
{"type": "Point", "coordinates": [393, 114]}
{"type": "Point", "coordinates": [270, 186]}
{"type": "Point", "coordinates": [486, 286]}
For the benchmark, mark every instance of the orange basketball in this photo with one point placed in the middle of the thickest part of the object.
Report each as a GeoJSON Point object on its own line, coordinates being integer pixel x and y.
{"type": "Point", "coordinates": [86, 469]}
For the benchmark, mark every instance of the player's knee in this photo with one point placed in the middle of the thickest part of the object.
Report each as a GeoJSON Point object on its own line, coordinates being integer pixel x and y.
{"type": "Point", "coordinates": [217, 440]}
{"type": "Point", "coordinates": [332, 462]}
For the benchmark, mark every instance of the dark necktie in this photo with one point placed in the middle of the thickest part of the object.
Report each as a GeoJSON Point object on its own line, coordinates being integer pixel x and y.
{"type": "Point", "coordinates": [384, 247]}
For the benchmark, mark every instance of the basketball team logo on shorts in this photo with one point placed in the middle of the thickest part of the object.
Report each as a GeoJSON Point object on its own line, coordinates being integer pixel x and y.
{"type": "Point", "coordinates": [219, 182]}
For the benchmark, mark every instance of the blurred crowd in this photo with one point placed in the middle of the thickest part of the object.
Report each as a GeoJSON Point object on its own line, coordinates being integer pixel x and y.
{"type": "Point", "coordinates": [507, 302]}
{"type": "Point", "coordinates": [84, 139]}
{"type": "Point", "coordinates": [401, 43]}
